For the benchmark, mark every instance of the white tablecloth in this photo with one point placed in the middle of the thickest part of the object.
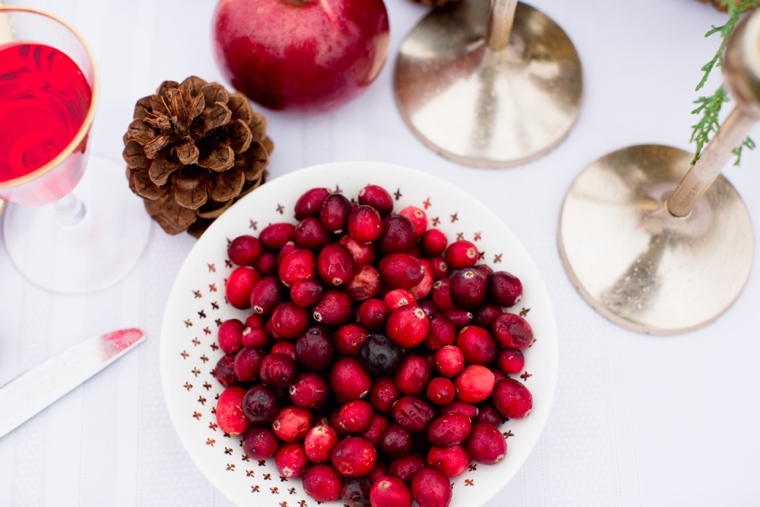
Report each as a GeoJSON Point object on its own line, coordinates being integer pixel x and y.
{"type": "Point", "coordinates": [637, 420]}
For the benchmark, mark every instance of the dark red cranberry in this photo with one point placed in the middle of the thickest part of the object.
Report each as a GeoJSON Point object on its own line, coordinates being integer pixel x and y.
{"type": "Point", "coordinates": [300, 264]}
{"type": "Point", "coordinates": [440, 268]}
{"type": "Point", "coordinates": [309, 204]}
{"type": "Point", "coordinates": [319, 443]}
{"type": "Point", "coordinates": [378, 198]}
{"type": "Point", "coordinates": [390, 492]}
{"type": "Point", "coordinates": [286, 250]}
{"type": "Point", "coordinates": [513, 331]}
{"type": "Point", "coordinates": [425, 287]}
{"type": "Point", "coordinates": [498, 374]}
{"type": "Point", "coordinates": [449, 430]}
{"type": "Point", "coordinates": [278, 371]}
{"type": "Point", "coordinates": [267, 294]}
{"type": "Point", "coordinates": [414, 414]}
{"type": "Point", "coordinates": [486, 444]}
{"type": "Point", "coordinates": [224, 371]}
{"type": "Point", "coordinates": [511, 361]}
{"type": "Point", "coordinates": [334, 309]}
{"type": "Point", "coordinates": [292, 424]}
{"type": "Point", "coordinates": [474, 384]}
{"type": "Point", "coordinates": [413, 375]}
{"type": "Point", "coordinates": [452, 461]}
{"type": "Point", "coordinates": [355, 416]}
{"type": "Point", "coordinates": [287, 348]}
{"type": "Point", "coordinates": [408, 326]}
{"type": "Point", "coordinates": [442, 294]}
{"type": "Point", "coordinates": [244, 250]}
{"type": "Point", "coordinates": [373, 314]}
{"type": "Point", "coordinates": [405, 467]}
{"type": "Point", "coordinates": [349, 339]}
{"type": "Point", "coordinates": [248, 364]}
{"type": "Point", "coordinates": [334, 213]}
{"type": "Point", "coordinates": [380, 356]}
{"type": "Point", "coordinates": [365, 224]}
{"type": "Point", "coordinates": [349, 380]}
{"type": "Point", "coordinates": [335, 264]}
{"type": "Point", "coordinates": [441, 333]}
{"type": "Point", "coordinates": [486, 315]}
{"type": "Point", "coordinates": [441, 391]}
{"type": "Point", "coordinates": [309, 391]}
{"type": "Point", "coordinates": [398, 235]}
{"type": "Point", "coordinates": [354, 457]}
{"type": "Point", "coordinates": [260, 442]}
{"type": "Point", "coordinates": [362, 253]}
{"type": "Point", "coordinates": [229, 411]}
{"type": "Point", "coordinates": [315, 349]}
{"type": "Point", "coordinates": [239, 286]}
{"type": "Point", "coordinates": [365, 283]}
{"type": "Point", "coordinates": [433, 243]}
{"type": "Point", "coordinates": [512, 399]}
{"type": "Point", "coordinates": [355, 492]}
{"type": "Point", "coordinates": [254, 337]}
{"type": "Point", "coordinates": [504, 288]}
{"type": "Point", "coordinates": [459, 318]}
{"type": "Point", "coordinates": [430, 309]}
{"type": "Point", "coordinates": [336, 426]}
{"type": "Point", "coordinates": [306, 293]}
{"type": "Point", "coordinates": [461, 254]}
{"type": "Point", "coordinates": [254, 320]}
{"type": "Point", "coordinates": [489, 414]}
{"type": "Point", "coordinates": [418, 218]}
{"type": "Point", "coordinates": [274, 236]}
{"type": "Point", "coordinates": [396, 441]}
{"type": "Point", "coordinates": [230, 336]}
{"type": "Point", "coordinates": [378, 472]}
{"type": "Point", "coordinates": [323, 483]}
{"type": "Point", "coordinates": [401, 270]}
{"type": "Point", "coordinates": [468, 288]}
{"type": "Point", "coordinates": [311, 234]}
{"type": "Point", "coordinates": [376, 429]}
{"type": "Point", "coordinates": [431, 488]}
{"type": "Point", "coordinates": [267, 264]}
{"type": "Point", "coordinates": [460, 407]}
{"type": "Point", "coordinates": [260, 405]}
{"type": "Point", "coordinates": [477, 345]}
{"type": "Point", "coordinates": [291, 460]}
{"type": "Point", "coordinates": [289, 320]}
{"type": "Point", "coordinates": [384, 394]}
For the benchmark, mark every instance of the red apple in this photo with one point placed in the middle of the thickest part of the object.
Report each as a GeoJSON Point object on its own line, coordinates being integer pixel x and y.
{"type": "Point", "coordinates": [301, 55]}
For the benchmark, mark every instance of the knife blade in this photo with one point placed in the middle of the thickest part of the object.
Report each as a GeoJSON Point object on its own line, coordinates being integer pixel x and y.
{"type": "Point", "coordinates": [30, 393]}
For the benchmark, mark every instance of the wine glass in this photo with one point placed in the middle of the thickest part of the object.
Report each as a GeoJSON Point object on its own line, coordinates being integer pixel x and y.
{"type": "Point", "coordinates": [65, 231]}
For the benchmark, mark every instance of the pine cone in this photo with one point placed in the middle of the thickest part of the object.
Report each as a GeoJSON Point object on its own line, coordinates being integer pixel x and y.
{"type": "Point", "coordinates": [434, 3]}
{"type": "Point", "coordinates": [192, 150]}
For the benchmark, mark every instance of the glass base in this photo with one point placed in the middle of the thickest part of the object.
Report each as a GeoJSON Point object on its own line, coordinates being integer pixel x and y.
{"type": "Point", "coordinates": [96, 252]}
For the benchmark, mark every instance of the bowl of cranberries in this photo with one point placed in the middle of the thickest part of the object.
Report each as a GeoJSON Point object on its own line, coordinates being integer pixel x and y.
{"type": "Point", "coordinates": [362, 334]}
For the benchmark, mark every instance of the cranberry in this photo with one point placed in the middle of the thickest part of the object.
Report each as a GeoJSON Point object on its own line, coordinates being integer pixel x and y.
{"type": "Point", "coordinates": [309, 203]}
{"type": "Point", "coordinates": [384, 394]}
{"type": "Point", "coordinates": [334, 213]}
{"type": "Point", "coordinates": [408, 326]}
{"type": "Point", "coordinates": [497, 375]}
{"type": "Point", "coordinates": [380, 356]}
{"type": "Point", "coordinates": [401, 270]}
{"type": "Point", "coordinates": [286, 250]}
{"type": "Point", "coordinates": [334, 424]}
{"type": "Point", "coordinates": [260, 405]}
{"type": "Point", "coordinates": [449, 430]}
{"type": "Point", "coordinates": [441, 333]}
{"type": "Point", "coordinates": [449, 361]}
{"type": "Point", "coordinates": [355, 416]}
{"type": "Point", "coordinates": [365, 283]}
{"type": "Point", "coordinates": [349, 339]}
{"type": "Point", "coordinates": [468, 288]}
{"type": "Point", "coordinates": [460, 407]}
{"type": "Point", "coordinates": [306, 293]}
{"type": "Point", "coordinates": [259, 442]}
{"type": "Point", "coordinates": [513, 399]}
{"type": "Point", "coordinates": [513, 331]}
{"type": "Point", "coordinates": [287, 348]}
{"type": "Point", "coordinates": [349, 380]}
{"type": "Point", "coordinates": [311, 234]}
{"type": "Point", "coordinates": [459, 318]}
{"type": "Point", "coordinates": [489, 414]}
{"type": "Point", "coordinates": [441, 391]}
{"type": "Point", "coordinates": [267, 294]}
{"type": "Point", "coordinates": [230, 336]}
{"type": "Point", "coordinates": [413, 375]}
{"type": "Point", "coordinates": [309, 391]}
{"type": "Point", "coordinates": [477, 345]}
{"type": "Point", "coordinates": [373, 314]}
{"type": "Point", "coordinates": [440, 268]}
{"type": "Point", "coordinates": [398, 235]}
{"type": "Point", "coordinates": [431, 488]}
{"type": "Point", "coordinates": [362, 253]}
{"type": "Point", "coordinates": [300, 264]}
{"type": "Point", "coordinates": [335, 264]}
{"type": "Point", "coordinates": [511, 361]}
{"type": "Point", "coordinates": [267, 264]}
{"type": "Point", "coordinates": [461, 254]}
{"type": "Point", "coordinates": [378, 198]}
{"type": "Point", "coordinates": [405, 467]}
{"type": "Point", "coordinates": [244, 250]}
{"type": "Point", "coordinates": [375, 431]}
{"type": "Point", "coordinates": [254, 337]}
{"type": "Point", "coordinates": [378, 472]}
{"type": "Point", "coordinates": [390, 492]}
{"type": "Point", "coordinates": [418, 218]}
{"type": "Point", "coordinates": [334, 309]}
{"type": "Point", "coordinates": [289, 320]}
{"type": "Point", "coordinates": [486, 315]}
{"type": "Point", "coordinates": [505, 289]}
{"type": "Point", "coordinates": [442, 294]}
{"type": "Point", "coordinates": [433, 243]}
{"type": "Point", "coordinates": [319, 443]}
{"type": "Point", "coordinates": [452, 461]}
{"type": "Point", "coordinates": [425, 287]}
{"type": "Point", "coordinates": [224, 371]}
{"type": "Point", "coordinates": [355, 492]}
{"type": "Point", "coordinates": [292, 424]}
{"type": "Point", "coordinates": [365, 224]}
{"type": "Point", "coordinates": [248, 364]}
{"type": "Point", "coordinates": [239, 286]}
{"type": "Point", "coordinates": [229, 411]}
{"type": "Point", "coordinates": [429, 308]}
{"type": "Point", "coordinates": [474, 384]}
{"type": "Point", "coordinates": [414, 414]}
{"type": "Point", "coordinates": [274, 236]}
{"type": "Point", "coordinates": [323, 483]}
{"type": "Point", "coordinates": [395, 441]}
{"type": "Point", "coordinates": [291, 460]}
{"type": "Point", "coordinates": [314, 349]}
{"type": "Point", "coordinates": [278, 371]}
{"type": "Point", "coordinates": [486, 444]}
{"type": "Point", "coordinates": [397, 298]}
{"type": "Point", "coordinates": [354, 457]}
{"type": "Point", "coordinates": [255, 321]}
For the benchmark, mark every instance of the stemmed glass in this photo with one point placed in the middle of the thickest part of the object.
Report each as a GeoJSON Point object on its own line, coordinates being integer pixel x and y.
{"type": "Point", "coordinates": [64, 241]}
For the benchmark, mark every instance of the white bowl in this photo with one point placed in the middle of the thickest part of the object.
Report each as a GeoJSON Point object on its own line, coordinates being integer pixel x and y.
{"type": "Point", "coordinates": [196, 306]}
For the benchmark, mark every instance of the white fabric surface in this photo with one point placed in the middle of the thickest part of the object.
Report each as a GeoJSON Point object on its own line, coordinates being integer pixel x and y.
{"type": "Point", "coordinates": [637, 420]}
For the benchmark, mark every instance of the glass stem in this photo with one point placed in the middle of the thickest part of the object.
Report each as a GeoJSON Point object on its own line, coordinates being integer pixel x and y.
{"type": "Point", "coordinates": [500, 23]}
{"type": "Point", "coordinates": [70, 210]}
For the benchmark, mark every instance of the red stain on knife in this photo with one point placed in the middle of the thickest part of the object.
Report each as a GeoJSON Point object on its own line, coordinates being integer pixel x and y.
{"type": "Point", "coordinates": [116, 342]}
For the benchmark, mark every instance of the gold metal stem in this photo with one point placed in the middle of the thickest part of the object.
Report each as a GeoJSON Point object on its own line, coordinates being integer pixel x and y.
{"type": "Point", "coordinates": [500, 22]}
{"type": "Point", "coordinates": [712, 160]}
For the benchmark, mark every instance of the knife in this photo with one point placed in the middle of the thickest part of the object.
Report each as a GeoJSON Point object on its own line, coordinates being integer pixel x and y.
{"type": "Point", "coordinates": [32, 392]}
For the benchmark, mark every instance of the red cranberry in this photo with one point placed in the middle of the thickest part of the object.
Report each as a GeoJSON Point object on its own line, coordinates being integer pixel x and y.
{"type": "Point", "coordinates": [267, 294]}
{"type": "Point", "coordinates": [431, 488]}
{"type": "Point", "coordinates": [405, 467]}
{"type": "Point", "coordinates": [349, 339]}
{"type": "Point", "coordinates": [513, 399]}
{"type": "Point", "coordinates": [349, 380]}
{"type": "Point", "coordinates": [255, 321]}
{"type": "Point", "coordinates": [380, 356]}
{"type": "Point", "coordinates": [278, 371]}
{"type": "Point", "coordinates": [314, 349]}
{"type": "Point", "coordinates": [260, 405]}
{"type": "Point", "coordinates": [477, 345]}
{"type": "Point", "coordinates": [291, 460]}
{"type": "Point", "coordinates": [459, 318]}
{"type": "Point", "coordinates": [497, 375]}
{"type": "Point", "coordinates": [267, 264]}
{"type": "Point", "coordinates": [309, 391]}
{"type": "Point", "coordinates": [425, 287]}
{"type": "Point", "coordinates": [286, 250]}
{"type": "Point", "coordinates": [334, 309]}
{"type": "Point", "coordinates": [334, 424]}
{"type": "Point", "coordinates": [335, 264]}
{"type": "Point", "coordinates": [390, 492]}
{"type": "Point", "coordinates": [259, 442]}
{"type": "Point", "coordinates": [355, 492]}
{"type": "Point", "coordinates": [230, 336]}
{"type": "Point", "coordinates": [486, 444]}
{"type": "Point", "coordinates": [224, 371]}
{"type": "Point", "coordinates": [395, 441]}
{"type": "Point", "coordinates": [413, 375]}
{"type": "Point", "coordinates": [334, 213]}
{"type": "Point", "coordinates": [323, 483]}
{"type": "Point", "coordinates": [306, 293]}
{"type": "Point", "coordinates": [440, 268]}
{"type": "Point", "coordinates": [354, 457]}
{"type": "Point", "coordinates": [365, 224]}
{"type": "Point", "coordinates": [248, 364]}
{"type": "Point", "coordinates": [289, 320]}
{"type": "Point", "coordinates": [418, 218]}
{"type": "Point", "coordinates": [408, 326]}
{"type": "Point", "coordinates": [474, 384]}
{"type": "Point", "coordinates": [229, 411]}
{"type": "Point", "coordinates": [429, 308]}
{"type": "Point", "coordinates": [239, 286]}
{"type": "Point", "coordinates": [442, 294]}
{"type": "Point", "coordinates": [373, 314]}
{"type": "Point", "coordinates": [397, 298]}
{"type": "Point", "coordinates": [460, 407]}
{"type": "Point", "coordinates": [441, 391]}
{"type": "Point", "coordinates": [511, 361]}
{"type": "Point", "coordinates": [461, 254]}
{"type": "Point", "coordinates": [292, 424]}
{"type": "Point", "coordinates": [398, 235]}
{"type": "Point", "coordinates": [449, 430]}
{"type": "Point", "coordinates": [254, 337]}
{"type": "Point", "coordinates": [319, 443]}
{"type": "Point", "coordinates": [468, 288]}
{"type": "Point", "coordinates": [311, 234]}
{"type": "Point", "coordinates": [401, 270]}
{"type": "Point", "coordinates": [489, 414]}
{"type": "Point", "coordinates": [378, 198]}
{"type": "Point", "coordinates": [486, 315]}
{"type": "Point", "coordinates": [449, 361]}
{"type": "Point", "coordinates": [309, 204]}
{"type": "Point", "coordinates": [441, 333]}
{"type": "Point", "coordinates": [300, 264]}
{"type": "Point", "coordinates": [364, 284]}
{"type": "Point", "coordinates": [452, 461]}
{"type": "Point", "coordinates": [274, 236]}
{"type": "Point", "coordinates": [412, 413]}
{"type": "Point", "coordinates": [244, 250]}
{"type": "Point", "coordinates": [505, 289]}
{"type": "Point", "coordinates": [378, 472]}
{"type": "Point", "coordinates": [362, 253]}
{"type": "Point", "coordinates": [355, 416]}
{"type": "Point", "coordinates": [384, 394]}
{"type": "Point", "coordinates": [433, 243]}
{"type": "Point", "coordinates": [513, 331]}
{"type": "Point", "coordinates": [377, 427]}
